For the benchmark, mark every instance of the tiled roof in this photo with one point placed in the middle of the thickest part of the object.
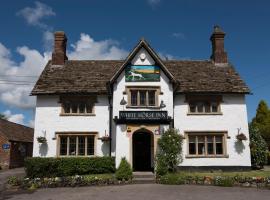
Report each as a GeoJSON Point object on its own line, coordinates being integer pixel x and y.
{"type": "Point", "coordinates": [92, 76]}
{"type": "Point", "coordinates": [16, 132]}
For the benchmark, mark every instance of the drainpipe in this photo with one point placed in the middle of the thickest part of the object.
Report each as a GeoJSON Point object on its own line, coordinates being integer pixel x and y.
{"type": "Point", "coordinates": [110, 115]}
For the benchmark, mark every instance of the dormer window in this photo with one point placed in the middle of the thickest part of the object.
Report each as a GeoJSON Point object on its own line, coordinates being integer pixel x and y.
{"type": "Point", "coordinates": [204, 104]}
{"type": "Point", "coordinates": [77, 105]}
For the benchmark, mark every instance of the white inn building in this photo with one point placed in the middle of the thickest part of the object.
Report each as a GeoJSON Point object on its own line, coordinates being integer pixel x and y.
{"type": "Point", "coordinates": [121, 108]}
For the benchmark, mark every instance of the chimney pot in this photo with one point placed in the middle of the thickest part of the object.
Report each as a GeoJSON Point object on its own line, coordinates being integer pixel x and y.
{"type": "Point", "coordinates": [219, 55]}
{"type": "Point", "coordinates": [59, 54]}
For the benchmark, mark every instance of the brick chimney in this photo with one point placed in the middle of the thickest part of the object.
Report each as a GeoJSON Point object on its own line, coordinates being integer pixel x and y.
{"type": "Point", "coordinates": [219, 55]}
{"type": "Point", "coordinates": [59, 54]}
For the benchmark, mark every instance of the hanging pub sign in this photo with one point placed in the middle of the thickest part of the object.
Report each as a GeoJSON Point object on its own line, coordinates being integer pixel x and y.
{"type": "Point", "coordinates": [142, 73]}
{"type": "Point", "coordinates": [158, 117]}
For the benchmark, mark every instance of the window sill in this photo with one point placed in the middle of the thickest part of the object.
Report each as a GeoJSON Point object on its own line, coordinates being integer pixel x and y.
{"type": "Point", "coordinates": [140, 107]}
{"type": "Point", "coordinates": [208, 156]}
{"type": "Point", "coordinates": [76, 156]}
{"type": "Point", "coordinates": [70, 114]}
{"type": "Point", "coordinates": [217, 113]}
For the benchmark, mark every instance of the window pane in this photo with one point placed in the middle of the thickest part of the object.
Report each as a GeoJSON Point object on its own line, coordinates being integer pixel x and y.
{"type": "Point", "coordinates": [210, 145]}
{"type": "Point", "coordinates": [207, 107]}
{"type": "Point", "coordinates": [82, 108]}
{"type": "Point", "coordinates": [81, 145]}
{"type": "Point", "coordinates": [63, 146]}
{"type": "Point", "coordinates": [142, 98]}
{"type": "Point", "coordinates": [74, 108]}
{"type": "Point", "coordinates": [72, 145]}
{"type": "Point", "coordinates": [192, 107]}
{"type": "Point", "coordinates": [66, 107]}
{"type": "Point", "coordinates": [214, 107]}
{"type": "Point", "coordinates": [200, 107]}
{"type": "Point", "coordinates": [151, 98]}
{"type": "Point", "coordinates": [90, 145]}
{"type": "Point", "coordinates": [192, 145]}
{"type": "Point", "coordinates": [219, 145]}
{"type": "Point", "coordinates": [89, 108]}
{"type": "Point", "coordinates": [201, 145]}
{"type": "Point", "coordinates": [134, 97]}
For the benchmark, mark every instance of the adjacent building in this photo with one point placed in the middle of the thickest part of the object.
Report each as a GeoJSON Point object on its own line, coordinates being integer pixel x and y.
{"type": "Point", "coordinates": [122, 107]}
{"type": "Point", "coordinates": [16, 143]}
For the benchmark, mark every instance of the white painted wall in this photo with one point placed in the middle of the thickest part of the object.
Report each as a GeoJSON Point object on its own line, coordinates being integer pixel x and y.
{"type": "Point", "coordinates": [48, 121]}
{"type": "Point", "coordinates": [234, 116]}
{"type": "Point", "coordinates": [120, 141]}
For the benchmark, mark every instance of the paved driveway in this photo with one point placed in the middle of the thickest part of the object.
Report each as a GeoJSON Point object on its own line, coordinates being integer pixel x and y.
{"type": "Point", "coordinates": [146, 192]}
{"type": "Point", "coordinates": [7, 173]}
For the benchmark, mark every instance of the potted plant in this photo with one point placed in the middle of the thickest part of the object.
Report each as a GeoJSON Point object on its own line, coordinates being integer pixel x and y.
{"type": "Point", "coordinates": [105, 138]}
{"type": "Point", "coordinates": [241, 137]}
{"type": "Point", "coordinates": [41, 139]}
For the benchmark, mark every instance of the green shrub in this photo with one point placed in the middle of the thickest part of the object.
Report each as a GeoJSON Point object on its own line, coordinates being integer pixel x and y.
{"type": "Point", "coordinates": [170, 152]}
{"type": "Point", "coordinates": [14, 181]}
{"type": "Point", "coordinates": [224, 181]}
{"type": "Point", "coordinates": [60, 167]}
{"type": "Point", "coordinates": [173, 179]}
{"type": "Point", "coordinates": [258, 147]}
{"type": "Point", "coordinates": [124, 171]}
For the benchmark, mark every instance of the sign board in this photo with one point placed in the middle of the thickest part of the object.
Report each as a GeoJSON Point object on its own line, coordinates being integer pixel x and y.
{"type": "Point", "coordinates": [142, 73]}
{"type": "Point", "coordinates": [158, 117]}
{"type": "Point", "coordinates": [6, 146]}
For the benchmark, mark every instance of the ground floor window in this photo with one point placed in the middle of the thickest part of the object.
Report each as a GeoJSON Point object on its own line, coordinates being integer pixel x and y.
{"type": "Point", "coordinates": [206, 144]}
{"type": "Point", "coordinates": [76, 144]}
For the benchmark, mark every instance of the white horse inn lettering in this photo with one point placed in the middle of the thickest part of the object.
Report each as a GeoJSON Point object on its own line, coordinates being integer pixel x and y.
{"type": "Point", "coordinates": [121, 108]}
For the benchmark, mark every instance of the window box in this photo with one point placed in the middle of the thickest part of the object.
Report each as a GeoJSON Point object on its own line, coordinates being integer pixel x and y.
{"type": "Point", "coordinates": [41, 140]}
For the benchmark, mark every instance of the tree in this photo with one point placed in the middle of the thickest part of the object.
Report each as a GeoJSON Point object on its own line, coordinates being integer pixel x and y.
{"type": "Point", "coordinates": [2, 116]}
{"type": "Point", "coordinates": [124, 171]}
{"type": "Point", "coordinates": [262, 121]}
{"type": "Point", "coordinates": [170, 152]}
{"type": "Point", "coordinates": [258, 147]}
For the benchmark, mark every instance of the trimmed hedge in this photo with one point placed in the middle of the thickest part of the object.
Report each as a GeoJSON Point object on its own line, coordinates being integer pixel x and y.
{"type": "Point", "coordinates": [38, 167]}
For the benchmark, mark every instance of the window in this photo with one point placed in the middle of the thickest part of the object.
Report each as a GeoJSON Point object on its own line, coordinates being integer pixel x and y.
{"type": "Point", "coordinates": [203, 145]}
{"type": "Point", "coordinates": [77, 105]}
{"type": "Point", "coordinates": [77, 145]}
{"type": "Point", "coordinates": [204, 104]}
{"type": "Point", "coordinates": [142, 97]}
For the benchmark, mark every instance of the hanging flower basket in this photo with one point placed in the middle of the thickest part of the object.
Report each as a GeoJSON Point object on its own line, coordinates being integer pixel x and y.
{"type": "Point", "coordinates": [41, 139]}
{"type": "Point", "coordinates": [105, 138]}
{"type": "Point", "coordinates": [241, 137]}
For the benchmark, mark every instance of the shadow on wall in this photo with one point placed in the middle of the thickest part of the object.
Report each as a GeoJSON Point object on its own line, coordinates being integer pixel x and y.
{"type": "Point", "coordinates": [105, 148]}
{"type": "Point", "coordinates": [43, 149]}
{"type": "Point", "coordinates": [239, 147]}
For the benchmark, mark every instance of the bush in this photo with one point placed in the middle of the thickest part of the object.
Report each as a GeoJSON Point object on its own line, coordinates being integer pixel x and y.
{"type": "Point", "coordinates": [14, 181]}
{"type": "Point", "coordinates": [60, 167]}
{"type": "Point", "coordinates": [170, 152]}
{"type": "Point", "coordinates": [124, 171]}
{"type": "Point", "coordinates": [224, 181]}
{"type": "Point", "coordinates": [258, 148]}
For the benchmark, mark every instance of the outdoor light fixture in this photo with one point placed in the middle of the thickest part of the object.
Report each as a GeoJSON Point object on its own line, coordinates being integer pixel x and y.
{"type": "Point", "coordinates": [162, 104]}
{"type": "Point", "coordinates": [123, 102]}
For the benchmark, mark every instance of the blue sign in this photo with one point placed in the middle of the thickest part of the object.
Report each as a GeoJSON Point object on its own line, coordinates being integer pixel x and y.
{"type": "Point", "coordinates": [6, 146]}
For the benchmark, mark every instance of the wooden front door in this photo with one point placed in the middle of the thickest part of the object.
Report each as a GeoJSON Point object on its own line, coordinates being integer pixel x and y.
{"type": "Point", "coordinates": [141, 151]}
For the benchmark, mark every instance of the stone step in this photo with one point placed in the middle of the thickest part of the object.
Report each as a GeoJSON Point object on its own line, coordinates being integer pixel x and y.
{"type": "Point", "coordinates": [143, 177]}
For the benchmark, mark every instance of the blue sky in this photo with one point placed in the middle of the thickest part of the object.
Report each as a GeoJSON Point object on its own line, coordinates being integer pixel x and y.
{"type": "Point", "coordinates": [102, 29]}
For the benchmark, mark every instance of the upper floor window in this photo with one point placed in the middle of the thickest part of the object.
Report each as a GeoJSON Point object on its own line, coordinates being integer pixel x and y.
{"type": "Point", "coordinates": [77, 105]}
{"type": "Point", "coordinates": [204, 104]}
{"type": "Point", "coordinates": [143, 97]}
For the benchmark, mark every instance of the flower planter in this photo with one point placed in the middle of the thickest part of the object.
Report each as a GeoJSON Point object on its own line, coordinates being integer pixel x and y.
{"type": "Point", "coordinates": [241, 137]}
{"type": "Point", "coordinates": [41, 140]}
{"type": "Point", "coordinates": [105, 138]}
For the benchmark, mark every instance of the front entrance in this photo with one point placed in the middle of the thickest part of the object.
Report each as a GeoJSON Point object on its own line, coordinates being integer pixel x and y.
{"type": "Point", "coordinates": [141, 148]}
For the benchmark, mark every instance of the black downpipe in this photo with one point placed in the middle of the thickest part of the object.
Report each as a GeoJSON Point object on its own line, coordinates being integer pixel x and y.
{"type": "Point", "coordinates": [110, 123]}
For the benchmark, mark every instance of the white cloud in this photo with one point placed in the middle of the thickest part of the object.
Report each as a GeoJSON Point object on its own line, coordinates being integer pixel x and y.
{"type": "Point", "coordinates": [153, 3]}
{"type": "Point", "coordinates": [179, 35]}
{"type": "Point", "coordinates": [16, 118]}
{"type": "Point", "coordinates": [17, 79]}
{"type": "Point", "coordinates": [31, 123]}
{"type": "Point", "coordinates": [87, 48]}
{"type": "Point", "coordinates": [35, 15]}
